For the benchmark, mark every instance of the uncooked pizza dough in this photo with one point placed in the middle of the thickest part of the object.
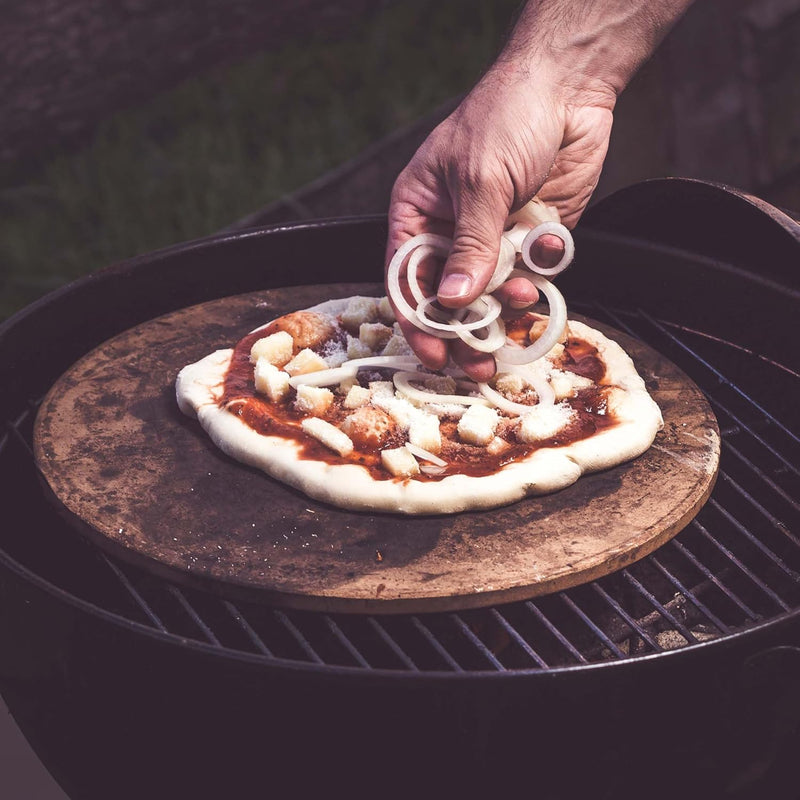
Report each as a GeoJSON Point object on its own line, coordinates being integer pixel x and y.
{"type": "Point", "coordinates": [332, 401]}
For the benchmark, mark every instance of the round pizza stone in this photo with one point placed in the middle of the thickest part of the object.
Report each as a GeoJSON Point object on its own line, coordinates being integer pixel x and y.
{"type": "Point", "coordinates": [146, 483]}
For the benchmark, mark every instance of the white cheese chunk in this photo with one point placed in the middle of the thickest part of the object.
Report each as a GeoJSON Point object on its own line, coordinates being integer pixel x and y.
{"type": "Point", "coordinates": [509, 383]}
{"type": "Point", "coordinates": [328, 434]}
{"type": "Point", "coordinates": [477, 424]}
{"type": "Point", "coordinates": [496, 446]}
{"type": "Point", "coordinates": [304, 362]}
{"type": "Point", "coordinates": [357, 349]}
{"type": "Point", "coordinates": [359, 309]}
{"type": "Point", "coordinates": [385, 311]}
{"type": "Point", "coordinates": [374, 335]}
{"type": "Point", "coordinates": [423, 431]}
{"type": "Point", "coordinates": [314, 400]}
{"type": "Point", "coordinates": [275, 348]}
{"type": "Point", "coordinates": [544, 422]}
{"type": "Point", "coordinates": [399, 409]}
{"type": "Point", "coordinates": [397, 346]}
{"type": "Point", "coordinates": [565, 383]}
{"type": "Point", "coordinates": [400, 462]}
{"type": "Point", "coordinates": [271, 381]}
{"type": "Point", "coordinates": [381, 388]}
{"type": "Point", "coordinates": [441, 384]}
{"type": "Point", "coordinates": [356, 397]}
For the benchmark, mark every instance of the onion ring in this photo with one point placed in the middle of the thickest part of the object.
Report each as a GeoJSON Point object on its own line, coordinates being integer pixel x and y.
{"type": "Point", "coordinates": [555, 325]}
{"type": "Point", "coordinates": [402, 381]}
{"type": "Point", "coordinates": [557, 229]}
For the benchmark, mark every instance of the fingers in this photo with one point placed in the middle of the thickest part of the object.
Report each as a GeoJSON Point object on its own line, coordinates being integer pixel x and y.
{"type": "Point", "coordinates": [517, 293]}
{"type": "Point", "coordinates": [431, 351]}
{"type": "Point", "coordinates": [478, 366]}
{"type": "Point", "coordinates": [547, 250]}
{"type": "Point", "coordinates": [476, 245]}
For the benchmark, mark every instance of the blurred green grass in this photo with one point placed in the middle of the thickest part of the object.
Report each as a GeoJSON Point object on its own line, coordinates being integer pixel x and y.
{"type": "Point", "coordinates": [226, 143]}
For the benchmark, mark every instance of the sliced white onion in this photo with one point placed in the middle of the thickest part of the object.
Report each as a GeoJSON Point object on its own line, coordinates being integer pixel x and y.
{"type": "Point", "coordinates": [505, 261]}
{"type": "Point", "coordinates": [491, 312]}
{"type": "Point", "coordinates": [327, 377]}
{"type": "Point", "coordinates": [511, 354]}
{"type": "Point", "coordinates": [393, 277]}
{"type": "Point", "coordinates": [402, 381]}
{"type": "Point", "coordinates": [495, 337]}
{"type": "Point", "coordinates": [534, 213]}
{"type": "Point", "coordinates": [432, 470]}
{"type": "Point", "coordinates": [425, 455]}
{"type": "Point", "coordinates": [557, 229]}
{"type": "Point", "coordinates": [503, 403]}
{"type": "Point", "coordinates": [539, 382]}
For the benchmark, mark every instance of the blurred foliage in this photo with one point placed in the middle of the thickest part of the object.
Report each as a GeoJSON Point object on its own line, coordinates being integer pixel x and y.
{"type": "Point", "coordinates": [226, 143]}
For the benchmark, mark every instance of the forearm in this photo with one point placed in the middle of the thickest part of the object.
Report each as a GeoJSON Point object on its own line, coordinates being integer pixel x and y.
{"type": "Point", "coordinates": [591, 46]}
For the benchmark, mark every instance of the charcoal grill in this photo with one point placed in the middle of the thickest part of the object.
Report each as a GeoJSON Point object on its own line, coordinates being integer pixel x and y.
{"type": "Point", "coordinates": [680, 673]}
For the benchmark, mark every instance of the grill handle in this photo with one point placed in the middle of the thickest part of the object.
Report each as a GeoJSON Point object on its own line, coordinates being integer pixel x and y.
{"type": "Point", "coordinates": [709, 219]}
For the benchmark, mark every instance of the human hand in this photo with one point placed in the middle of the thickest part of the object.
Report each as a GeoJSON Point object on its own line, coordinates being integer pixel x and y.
{"type": "Point", "coordinates": [537, 124]}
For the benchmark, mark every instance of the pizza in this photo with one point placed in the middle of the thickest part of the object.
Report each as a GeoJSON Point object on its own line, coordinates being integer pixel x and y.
{"type": "Point", "coordinates": [332, 401]}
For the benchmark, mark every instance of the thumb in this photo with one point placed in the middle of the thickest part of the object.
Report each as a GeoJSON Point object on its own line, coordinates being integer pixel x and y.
{"type": "Point", "coordinates": [473, 257]}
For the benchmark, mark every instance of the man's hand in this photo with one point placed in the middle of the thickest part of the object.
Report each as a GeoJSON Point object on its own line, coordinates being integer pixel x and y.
{"type": "Point", "coordinates": [537, 124]}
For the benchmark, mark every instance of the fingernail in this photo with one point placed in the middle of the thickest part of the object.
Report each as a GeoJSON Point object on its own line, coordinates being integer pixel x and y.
{"type": "Point", "coordinates": [454, 285]}
{"type": "Point", "coordinates": [518, 304]}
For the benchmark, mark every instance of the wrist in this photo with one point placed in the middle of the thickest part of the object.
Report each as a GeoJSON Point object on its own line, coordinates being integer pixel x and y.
{"type": "Point", "coordinates": [588, 51]}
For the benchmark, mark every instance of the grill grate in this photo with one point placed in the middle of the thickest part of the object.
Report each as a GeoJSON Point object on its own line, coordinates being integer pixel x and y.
{"type": "Point", "coordinates": [735, 565]}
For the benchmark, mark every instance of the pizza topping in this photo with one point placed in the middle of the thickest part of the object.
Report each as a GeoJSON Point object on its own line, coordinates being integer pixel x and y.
{"type": "Point", "coordinates": [369, 426]}
{"type": "Point", "coordinates": [479, 323]}
{"type": "Point", "coordinates": [329, 435]}
{"type": "Point", "coordinates": [544, 422]}
{"type": "Point", "coordinates": [313, 400]}
{"type": "Point", "coordinates": [277, 348]}
{"type": "Point", "coordinates": [444, 421]}
{"type": "Point", "coordinates": [307, 329]}
{"type": "Point", "coordinates": [304, 362]}
{"type": "Point", "coordinates": [270, 380]}
{"type": "Point", "coordinates": [400, 462]}
{"type": "Point", "coordinates": [375, 335]}
{"type": "Point", "coordinates": [477, 425]}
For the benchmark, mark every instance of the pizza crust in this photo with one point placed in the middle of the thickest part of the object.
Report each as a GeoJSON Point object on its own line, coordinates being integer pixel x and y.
{"type": "Point", "coordinates": [548, 469]}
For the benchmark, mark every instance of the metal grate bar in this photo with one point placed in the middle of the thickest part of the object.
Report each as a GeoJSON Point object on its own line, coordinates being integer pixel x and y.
{"type": "Point", "coordinates": [718, 375]}
{"type": "Point", "coordinates": [555, 630]}
{"type": "Point", "coordinates": [690, 556]}
{"type": "Point", "coordinates": [389, 641]}
{"type": "Point", "coordinates": [573, 606]}
{"type": "Point", "coordinates": [518, 638]}
{"type": "Point", "coordinates": [298, 637]}
{"type": "Point", "coordinates": [755, 541]}
{"type": "Point", "coordinates": [256, 640]}
{"type": "Point", "coordinates": [143, 605]}
{"type": "Point", "coordinates": [469, 634]}
{"type": "Point", "coordinates": [662, 610]}
{"type": "Point", "coordinates": [192, 614]}
{"type": "Point", "coordinates": [344, 641]}
{"type": "Point", "coordinates": [434, 642]}
{"type": "Point", "coordinates": [774, 521]}
{"type": "Point", "coordinates": [743, 426]}
{"type": "Point", "coordinates": [689, 595]}
{"type": "Point", "coordinates": [740, 566]}
{"type": "Point", "coordinates": [632, 624]}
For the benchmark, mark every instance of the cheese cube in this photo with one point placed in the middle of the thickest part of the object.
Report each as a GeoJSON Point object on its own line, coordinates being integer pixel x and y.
{"type": "Point", "coordinates": [357, 349]}
{"type": "Point", "coordinates": [271, 381]}
{"type": "Point", "coordinates": [359, 309]}
{"type": "Point", "coordinates": [381, 388]}
{"type": "Point", "coordinates": [399, 462]}
{"type": "Point", "coordinates": [397, 346]}
{"type": "Point", "coordinates": [399, 409]}
{"type": "Point", "coordinates": [565, 384]}
{"type": "Point", "coordinates": [477, 424]}
{"type": "Point", "coordinates": [314, 400]}
{"type": "Point", "coordinates": [509, 383]}
{"type": "Point", "coordinates": [328, 434]}
{"type": "Point", "coordinates": [276, 348]}
{"type": "Point", "coordinates": [374, 335]}
{"type": "Point", "coordinates": [385, 311]}
{"type": "Point", "coordinates": [497, 446]}
{"type": "Point", "coordinates": [356, 397]}
{"type": "Point", "coordinates": [544, 422]}
{"type": "Point", "coordinates": [423, 431]}
{"type": "Point", "coordinates": [304, 362]}
{"type": "Point", "coordinates": [441, 384]}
